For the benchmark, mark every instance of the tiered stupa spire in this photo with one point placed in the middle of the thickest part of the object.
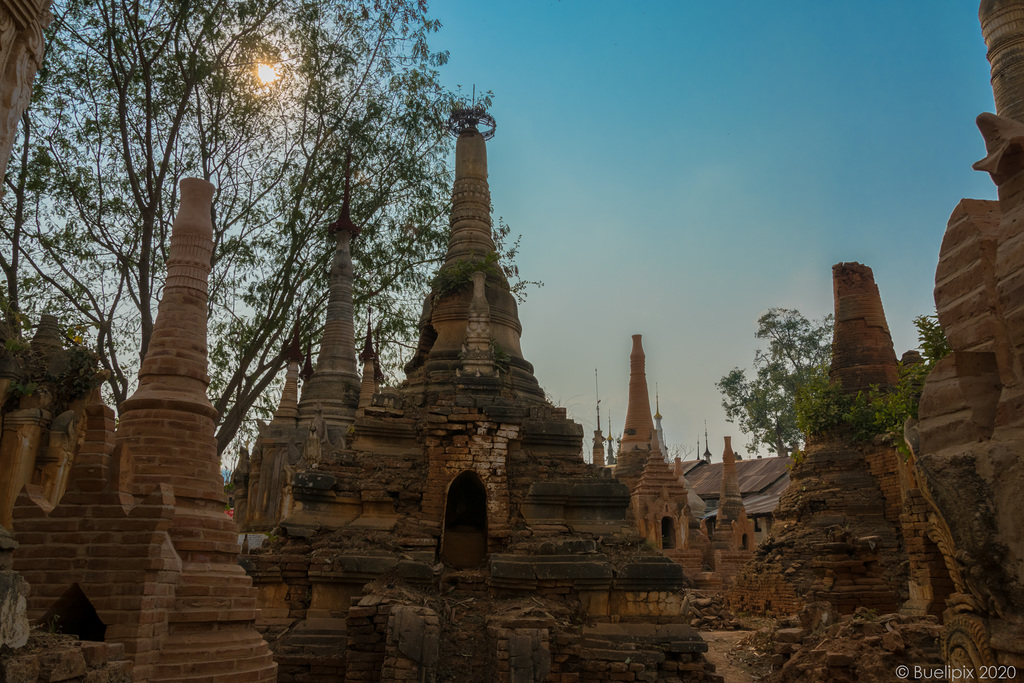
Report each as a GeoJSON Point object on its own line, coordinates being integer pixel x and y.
{"type": "Point", "coordinates": [168, 426]}
{"type": "Point", "coordinates": [730, 502]}
{"type": "Point", "coordinates": [288, 409]}
{"type": "Point", "coordinates": [447, 311]}
{"type": "Point", "coordinates": [638, 432]}
{"type": "Point", "coordinates": [334, 385]}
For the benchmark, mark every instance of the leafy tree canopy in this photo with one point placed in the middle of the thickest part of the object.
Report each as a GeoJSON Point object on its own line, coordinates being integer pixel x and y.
{"type": "Point", "coordinates": [762, 405]}
{"type": "Point", "coordinates": [134, 96]}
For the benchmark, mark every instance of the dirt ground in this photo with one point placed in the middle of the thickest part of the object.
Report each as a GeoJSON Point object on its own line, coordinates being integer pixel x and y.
{"type": "Point", "coordinates": [734, 659]}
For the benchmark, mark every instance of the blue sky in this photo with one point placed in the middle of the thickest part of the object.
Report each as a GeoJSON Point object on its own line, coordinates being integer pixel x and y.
{"type": "Point", "coordinates": [677, 168]}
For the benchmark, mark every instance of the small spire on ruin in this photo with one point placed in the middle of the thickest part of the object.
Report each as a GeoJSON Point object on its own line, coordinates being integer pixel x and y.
{"type": "Point", "coordinates": [598, 450]}
{"type": "Point", "coordinates": [368, 357]}
{"type": "Point", "coordinates": [307, 366]}
{"type": "Point", "coordinates": [335, 382]}
{"type": "Point", "coordinates": [288, 409]}
{"type": "Point", "coordinates": [707, 449]}
{"type": "Point", "coordinates": [659, 432]}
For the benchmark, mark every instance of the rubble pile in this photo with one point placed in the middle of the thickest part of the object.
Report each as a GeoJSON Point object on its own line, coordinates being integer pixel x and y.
{"type": "Point", "coordinates": [819, 645]}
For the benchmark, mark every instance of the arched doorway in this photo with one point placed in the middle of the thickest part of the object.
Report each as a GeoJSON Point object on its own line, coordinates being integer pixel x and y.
{"type": "Point", "coordinates": [668, 532]}
{"type": "Point", "coordinates": [464, 539]}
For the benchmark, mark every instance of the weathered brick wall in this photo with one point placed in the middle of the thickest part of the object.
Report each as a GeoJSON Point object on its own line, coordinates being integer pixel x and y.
{"type": "Point", "coordinates": [49, 658]}
{"type": "Point", "coordinates": [460, 439]}
{"type": "Point", "coordinates": [881, 460]}
{"type": "Point", "coordinates": [367, 629]}
{"type": "Point", "coordinates": [729, 563]}
{"type": "Point", "coordinates": [929, 580]}
{"type": "Point", "coordinates": [763, 590]}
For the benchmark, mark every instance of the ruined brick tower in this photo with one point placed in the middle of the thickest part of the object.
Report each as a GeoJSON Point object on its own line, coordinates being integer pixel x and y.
{"type": "Point", "coordinates": [862, 352]}
{"type": "Point", "coordinates": [839, 519]}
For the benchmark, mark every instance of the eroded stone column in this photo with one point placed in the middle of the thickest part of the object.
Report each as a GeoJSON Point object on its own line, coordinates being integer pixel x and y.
{"type": "Point", "coordinates": [862, 352]}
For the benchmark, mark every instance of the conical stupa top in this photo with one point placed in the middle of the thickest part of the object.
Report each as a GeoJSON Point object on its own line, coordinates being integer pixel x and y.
{"type": "Point", "coordinates": [368, 354]}
{"type": "Point", "coordinates": [730, 501]}
{"type": "Point", "coordinates": [657, 404]}
{"type": "Point", "coordinates": [307, 365]}
{"type": "Point", "coordinates": [47, 337]}
{"type": "Point", "coordinates": [288, 408]}
{"type": "Point", "coordinates": [293, 352]}
{"type": "Point", "coordinates": [471, 196]}
{"type": "Point", "coordinates": [335, 381]}
{"type": "Point", "coordinates": [862, 351]}
{"type": "Point", "coordinates": [639, 427]}
{"type": "Point", "coordinates": [176, 359]}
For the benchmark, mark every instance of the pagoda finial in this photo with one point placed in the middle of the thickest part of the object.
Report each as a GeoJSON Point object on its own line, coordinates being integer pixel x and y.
{"type": "Point", "coordinates": [307, 366]}
{"type": "Point", "coordinates": [465, 118]}
{"type": "Point", "coordinates": [344, 221]}
{"type": "Point", "coordinates": [368, 353]}
{"type": "Point", "coordinates": [293, 352]}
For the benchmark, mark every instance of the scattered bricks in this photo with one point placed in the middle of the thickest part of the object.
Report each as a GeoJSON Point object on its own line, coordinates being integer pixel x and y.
{"type": "Point", "coordinates": [789, 635]}
{"type": "Point", "coordinates": [19, 669]}
{"type": "Point", "coordinates": [838, 659]}
{"type": "Point", "coordinates": [61, 665]}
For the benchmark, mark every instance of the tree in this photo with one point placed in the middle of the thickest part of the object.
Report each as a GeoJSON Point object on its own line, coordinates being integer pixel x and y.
{"type": "Point", "coordinates": [763, 406]}
{"type": "Point", "coordinates": [134, 96]}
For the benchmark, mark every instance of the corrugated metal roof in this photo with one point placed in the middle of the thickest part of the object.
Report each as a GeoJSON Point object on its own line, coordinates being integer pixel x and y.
{"type": "Point", "coordinates": [761, 480]}
{"type": "Point", "coordinates": [755, 476]}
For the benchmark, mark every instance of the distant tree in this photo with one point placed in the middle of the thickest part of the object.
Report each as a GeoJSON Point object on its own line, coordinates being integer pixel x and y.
{"type": "Point", "coordinates": [134, 96]}
{"type": "Point", "coordinates": [763, 405]}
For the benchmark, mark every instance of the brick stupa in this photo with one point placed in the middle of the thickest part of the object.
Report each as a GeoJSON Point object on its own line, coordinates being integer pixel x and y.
{"type": "Point", "coordinates": [139, 550]}
{"type": "Point", "coordinates": [464, 477]}
{"type": "Point", "coordinates": [638, 432]}
{"type": "Point", "coordinates": [168, 426]}
{"type": "Point", "coordinates": [836, 535]}
{"type": "Point", "coordinates": [862, 353]}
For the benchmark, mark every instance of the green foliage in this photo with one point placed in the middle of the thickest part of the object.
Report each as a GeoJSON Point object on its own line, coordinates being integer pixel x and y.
{"type": "Point", "coordinates": [458, 276]}
{"type": "Point", "coordinates": [933, 343]}
{"type": "Point", "coordinates": [763, 405]}
{"type": "Point", "coordinates": [822, 408]}
{"type": "Point", "coordinates": [26, 389]}
{"type": "Point", "coordinates": [501, 357]}
{"type": "Point", "coordinates": [134, 96]}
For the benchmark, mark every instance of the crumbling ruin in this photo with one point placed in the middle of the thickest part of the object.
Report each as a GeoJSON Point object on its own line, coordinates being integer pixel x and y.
{"type": "Point", "coordinates": [968, 464]}
{"type": "Point", "coordinates": [453, 530]}
{"type": "Point", "coordinates": [836, 536]}
{"type": "Point", "coordinates": [138, 551]}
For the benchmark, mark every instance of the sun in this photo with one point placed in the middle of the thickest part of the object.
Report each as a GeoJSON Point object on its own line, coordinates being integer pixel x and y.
{"type": "Point", "coordinates": [267, 74]}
